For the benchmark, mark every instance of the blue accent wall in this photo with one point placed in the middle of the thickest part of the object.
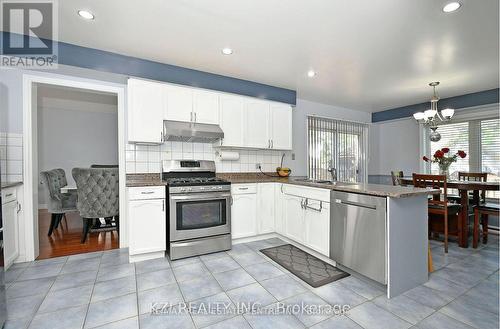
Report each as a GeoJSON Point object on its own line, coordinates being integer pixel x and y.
{"type": "Point", "coordinates": [457, 102]}
{"type": "Point", "coordinates": [95, 59]}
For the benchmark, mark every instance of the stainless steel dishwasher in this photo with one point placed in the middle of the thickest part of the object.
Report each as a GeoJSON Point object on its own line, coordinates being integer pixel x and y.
{"type": "Point", "coordinates": [358, 233]}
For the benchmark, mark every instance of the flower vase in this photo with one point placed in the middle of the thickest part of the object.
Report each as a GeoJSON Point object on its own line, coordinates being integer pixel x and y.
{"type": "Point", "coordinates": [444, 169]}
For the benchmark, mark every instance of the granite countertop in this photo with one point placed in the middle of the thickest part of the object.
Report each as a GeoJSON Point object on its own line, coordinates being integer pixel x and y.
{"type": "Point", "coordinates": [11, 184]}
{"type": "Point", "coordinates": [361, 188]}
{"type": "Point", "coordinates": [136, 180]}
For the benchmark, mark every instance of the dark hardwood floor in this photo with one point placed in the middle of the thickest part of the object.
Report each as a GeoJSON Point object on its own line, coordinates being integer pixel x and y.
{"type": "Point", "coordinates": [65, 240]}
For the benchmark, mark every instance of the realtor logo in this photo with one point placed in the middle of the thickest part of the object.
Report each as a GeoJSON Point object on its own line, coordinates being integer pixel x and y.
{"type": "Point", "coordinates": [29, 28]}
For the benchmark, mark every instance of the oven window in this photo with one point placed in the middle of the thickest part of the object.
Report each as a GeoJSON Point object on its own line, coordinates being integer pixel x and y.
{"type": "Point", "coordinates": [200, 214]}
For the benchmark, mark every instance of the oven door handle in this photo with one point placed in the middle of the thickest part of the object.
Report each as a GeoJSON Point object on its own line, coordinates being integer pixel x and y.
{"type": "Point", "coordinates": [200, 196]}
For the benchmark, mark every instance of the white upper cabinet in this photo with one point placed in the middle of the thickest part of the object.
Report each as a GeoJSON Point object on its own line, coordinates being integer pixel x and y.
{"type": "Point", "coordinates": [281, 126]}
{"type": "Point", "coordinates": [191, 105]}
{"type": "Point", "coordinates": [246, 122]}
{"type": "Point", "coordinates": [257, 124]}
{"type": "Point", "coordinates": [232, 120]}
{"type": "Point", "coordinates": [179, 103]}
{"type": "Point", "coordinates": [145, 111]}
{"type": "Point", "coordinates": [206, 107]}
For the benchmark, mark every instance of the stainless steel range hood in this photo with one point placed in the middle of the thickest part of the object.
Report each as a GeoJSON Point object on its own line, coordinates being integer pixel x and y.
{"type": "Point", "coordinates": [191, 132]}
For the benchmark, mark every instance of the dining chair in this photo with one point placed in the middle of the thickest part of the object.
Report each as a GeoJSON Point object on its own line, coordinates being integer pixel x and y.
{"type": "Point", "coordinates": [481, 212]}
{"type": "Point", "coordinates": [98, 197]}
{"type": "Point", "coordinates": [476, 177]}
{"type": "Point", "coordinates": [108, 219]}
{"type": "Point", "coordinates": [396, 177]}
{"type": "Point", "coordinates": [58, 203]}
{"type": "Point", "coordinates": [439, 205]}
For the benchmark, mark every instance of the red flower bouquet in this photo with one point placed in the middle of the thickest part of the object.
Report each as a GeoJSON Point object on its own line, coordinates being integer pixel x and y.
{"type": "Point", "coordinates": [444, 159]}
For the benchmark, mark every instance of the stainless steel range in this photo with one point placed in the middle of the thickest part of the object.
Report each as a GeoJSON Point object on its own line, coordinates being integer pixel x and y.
{"type": "Point", "coordinates": [199, 208]}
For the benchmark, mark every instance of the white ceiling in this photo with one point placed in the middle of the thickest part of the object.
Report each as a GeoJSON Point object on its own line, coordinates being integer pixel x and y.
{"type": "Point", "coordinates": [369, 55]}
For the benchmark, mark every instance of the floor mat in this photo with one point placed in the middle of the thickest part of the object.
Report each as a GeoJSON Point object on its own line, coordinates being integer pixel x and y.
{"type": "Point", "coordinates": [310, 269]}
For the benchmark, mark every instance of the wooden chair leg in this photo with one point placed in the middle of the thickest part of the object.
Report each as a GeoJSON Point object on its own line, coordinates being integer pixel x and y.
{"type": "Point", "coordinates": [446, 232]}
{"type": "Point", "coordinates": [86, 228]}
{"type": "Point", "coordinates": [484, 221]}
{"type": "Point", "coordinates": [430, 266]}
{"type": "Point", "coordinates": [53, 219]}
{"type": "Point", "coordinates": [475, 235]}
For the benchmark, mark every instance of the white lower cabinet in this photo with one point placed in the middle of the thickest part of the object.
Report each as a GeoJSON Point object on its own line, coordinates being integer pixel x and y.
{"type": "Point", "coordinates": [279, 223]}
{"type": "Point", "coordinates": [301, 214]}
{"type": "Point", "coordinates": [265, 208]}
{"type": "Point", "coordinates": [244, 215]}
{"type": "Point", "coordinates": [293, 215]}
{"type": "Point", "coordinates": [147, 220]}
{"type": "Point", "coordinates": [10, 233]}
{"type": "Point", "coordinates": [317, 226]}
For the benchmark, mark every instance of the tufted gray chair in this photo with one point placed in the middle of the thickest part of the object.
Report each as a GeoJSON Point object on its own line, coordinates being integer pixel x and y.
{"type": "Point", "coordinates": [58, 203]}
{"type": "Point", "coordinates": [97, 195]}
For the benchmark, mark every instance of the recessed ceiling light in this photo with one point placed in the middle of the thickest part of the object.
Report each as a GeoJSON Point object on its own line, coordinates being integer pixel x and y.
{"type": "Point", "coordinates": [451, 7]}
{"type": "Point", "coordinates": [86, 14]}
{"type": "Point", "coordinates": [227, 51]}
{"type": "Point", "coordinates": [311, 73]}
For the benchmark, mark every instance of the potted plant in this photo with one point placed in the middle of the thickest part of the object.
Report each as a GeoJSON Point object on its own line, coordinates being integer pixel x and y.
{"type": "Point", "coordinates": [444, 159]}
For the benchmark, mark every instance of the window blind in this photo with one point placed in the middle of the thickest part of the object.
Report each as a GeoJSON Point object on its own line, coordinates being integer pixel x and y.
{"type": "Point", "coordinates": [480, 139]}
{"type": "Point", "coordinates": [490, 152]}
{"type": "Point", "coordinates": [455, 136]}
{"type": "Point", "coordinates": [338, 144]}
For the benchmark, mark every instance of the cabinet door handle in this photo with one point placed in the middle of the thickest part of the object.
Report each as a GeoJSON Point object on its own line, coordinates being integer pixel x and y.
{"type": "Point", "coordinates": [9, 194]}
{"type": "Point", "coordinates": [272, 143]}
{"type": "Point", "coordinates": [191, 117]}
{"type": "Point", "coordinates": [231, 198]}
{"type": "Point", "coordinates": [161, 136]}
{"type": "Point", "coordinates": [148, 192]}
{"type": "Point", "coordinates": [194, 116]}
{"type": "Point", "coordinates": [163, 205]}
{"type": "Point", "coordinates": [242, 188]}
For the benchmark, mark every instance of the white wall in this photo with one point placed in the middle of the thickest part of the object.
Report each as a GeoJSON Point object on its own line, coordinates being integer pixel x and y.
{"type": "Point", "coordinates": [394, 145]}
{"type": "Point", "coordinates": [75, 129]}
{"type": "Point", "coordinates": [300, 113]}
{"type": "Point", "coordinates": [11, 101]}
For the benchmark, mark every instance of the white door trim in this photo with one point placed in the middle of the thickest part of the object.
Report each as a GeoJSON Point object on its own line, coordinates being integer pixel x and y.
{"type": "Point", "coordinates": [29, 153]}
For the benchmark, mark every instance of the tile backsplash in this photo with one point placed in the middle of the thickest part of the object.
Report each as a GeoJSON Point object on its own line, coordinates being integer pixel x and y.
{"type": "Point", "coordinates": [11, 157]}
{"type": "Point", "coordinates": [147, 158]}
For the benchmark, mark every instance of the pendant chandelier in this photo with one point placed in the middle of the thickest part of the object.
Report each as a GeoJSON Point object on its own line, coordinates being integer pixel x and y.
{"type": "Point", "coordinates": [432, 117]}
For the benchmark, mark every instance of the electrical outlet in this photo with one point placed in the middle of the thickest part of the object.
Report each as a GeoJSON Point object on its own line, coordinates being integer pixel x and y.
{"type": "Point", "coordinates": [257, 166]}
{"type": "Point", "coordinates": [293, 156]}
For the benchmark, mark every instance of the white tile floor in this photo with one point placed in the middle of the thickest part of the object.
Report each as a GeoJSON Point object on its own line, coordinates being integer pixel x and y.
{"type": "Point", "coordinates": [101, 290]}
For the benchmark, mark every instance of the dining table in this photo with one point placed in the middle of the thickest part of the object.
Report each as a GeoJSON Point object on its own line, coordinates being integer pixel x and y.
{"type": "Point", "coordinates": [463, 187]}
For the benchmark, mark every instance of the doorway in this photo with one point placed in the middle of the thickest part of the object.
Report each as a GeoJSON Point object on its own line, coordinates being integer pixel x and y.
{"type": "Point", "coordinates": [70, 123]}
{"type": "Point", "coordinates": [76, 128]}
